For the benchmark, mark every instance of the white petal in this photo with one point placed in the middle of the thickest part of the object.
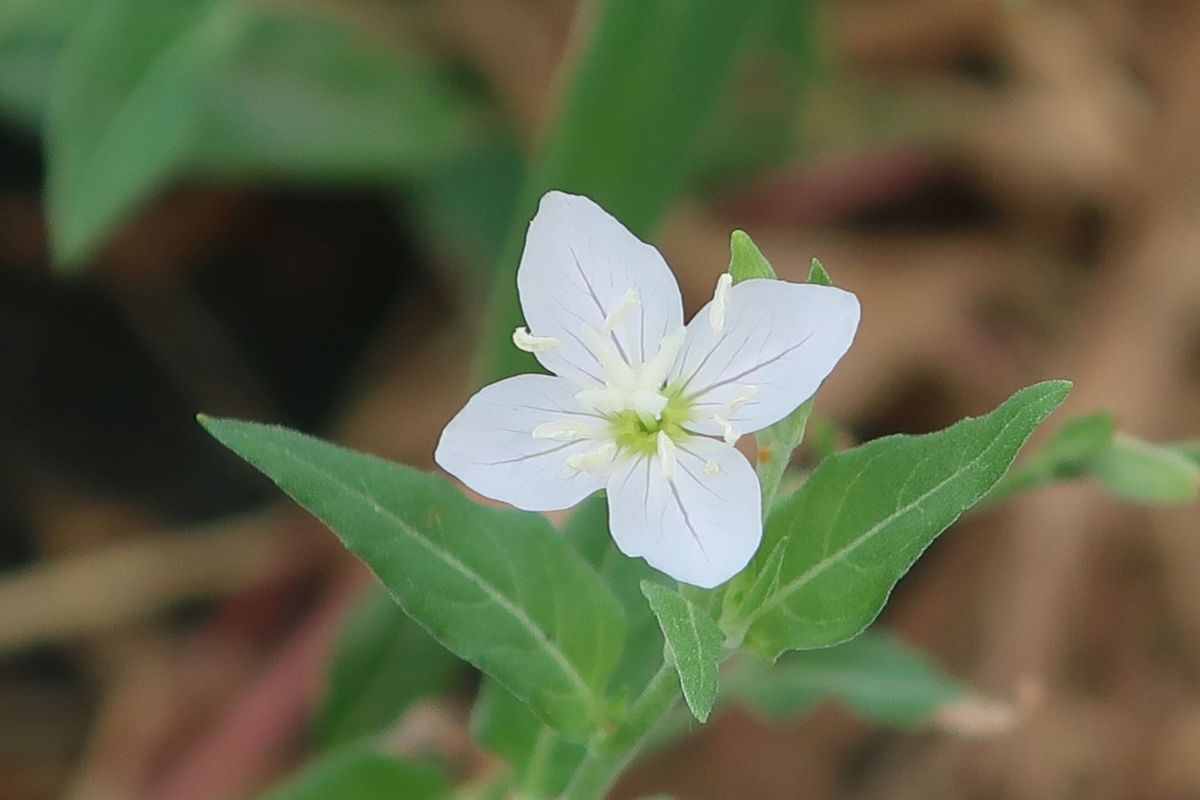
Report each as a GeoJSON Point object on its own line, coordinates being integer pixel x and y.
{"type": "Point", "coordinates": [490, 445]}
{"type": "Point", "coordinates": [701, 525]}
{"type": "Point", "coordinates": [580, 269]}
{"type": "Point", "coordinates": [778, 342]}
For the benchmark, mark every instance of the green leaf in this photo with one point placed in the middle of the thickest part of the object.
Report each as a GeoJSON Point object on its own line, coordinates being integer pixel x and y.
{"type": "Point", "coordinates": [32, 34]}
{"type": "Point", "coordinates": [147, 91]}
{"type": "Point", "coordinates": [499, 588]}
{"type": "Point", "coordinates": [818, 275]}
{"type": "Point", "coordinates": [864, 517]}
{"type": "Point", "coordinates": [879, 677]}
{"type": "Point", "coordinates": [120, 113]}
{"type": "Point", "coordinates": [302, 94]}
{"type": "Point", "coordinates": [383, 662]}
{"type": "Point", "coordinates": [746, 261]}
{"type": "Point", "coordinates": [359, 773]}
{"type": "Point", "coordinates": [542, 761]}
{"type": "Point", "coordinates": [694, 641]}
{"type": "Point", "coordinates": [635, 102]}
{"type": "Point", "coordinates": [587, 530]}
{"type": "Point", "coordinates": [1146, 473]}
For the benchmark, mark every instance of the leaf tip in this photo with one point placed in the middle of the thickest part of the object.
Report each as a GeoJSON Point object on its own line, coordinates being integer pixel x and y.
{"type": "Point", "coordinates": [1051, 393]}
{"type": "Point", "coordinates": [1059, 390]}
{"type": "Point", "coordinates": [746, 261]}
{"type": "Point", "coordinates": [740, 242]}
{"type": "Point", "coordinates": [818, 274]}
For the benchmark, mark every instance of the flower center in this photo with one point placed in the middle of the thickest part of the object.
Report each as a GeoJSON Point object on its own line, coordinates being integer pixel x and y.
{"type": "Point", "coordinates": [637, 433]}
{"type": "Point", "coordinates": [640, 411]}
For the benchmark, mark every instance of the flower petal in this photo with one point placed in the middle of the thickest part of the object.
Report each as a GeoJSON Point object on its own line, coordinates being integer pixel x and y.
{"type": "Point", "coordinates": [778, 341]}
{"type": "Point", "coordinates": [582, 269]}
{"type": "Point", "coordinates": [490, 445]}
{"type": "Point", "coordinates": [701, 525]}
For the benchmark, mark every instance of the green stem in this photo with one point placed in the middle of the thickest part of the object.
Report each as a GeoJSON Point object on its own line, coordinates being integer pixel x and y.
{"type": "Point", "coordinates": [610, 752]}
{"type": "Point", "coordinates": [535, 772]}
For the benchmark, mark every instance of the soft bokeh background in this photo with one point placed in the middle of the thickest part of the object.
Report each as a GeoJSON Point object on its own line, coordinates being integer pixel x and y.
{"type": "Point", "coordinates": [293, 211]}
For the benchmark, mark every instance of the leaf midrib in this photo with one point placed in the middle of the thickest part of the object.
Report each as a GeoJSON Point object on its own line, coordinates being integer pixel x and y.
{"type": "Point", "coordinates": [703, 664]}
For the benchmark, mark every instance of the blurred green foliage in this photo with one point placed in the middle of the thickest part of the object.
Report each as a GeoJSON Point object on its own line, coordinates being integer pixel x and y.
{"type": "Point", "coordinates": [876, 675]}
{"type": "Point", "coordinates": [356, 773]}
{"type": "Point", "coordinates": [132, 94]}
{"type": "Point", "coordinates": [625, 135]}
{"type": "Point", "coordinates": [32, 35]}
{"type": "Point", "coordinates": [382, 663]}
{"type": "Point", "coordinates": [541, 761]}
{"type": "Point", "coordinates": [1090, 446]}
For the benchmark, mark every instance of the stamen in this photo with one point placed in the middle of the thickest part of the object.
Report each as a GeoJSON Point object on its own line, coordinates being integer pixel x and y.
{"type": "Point", "coordinates": [602, 401]}
{"type": "Point", "coordinates": [618, 314]}
{"type": "Point", "coordinates": [666, 454]}
{"type": "Point", "coordinates": [654, 371]}
{"type": "Point", "coordinates": [729, 433]}
{"type": "Point", "coordinates": [716, 312]}
{"type": "Point", "coordinates": [533, 344]}
{"type": "Point", "coordinates": [616, 371]}
{"type": "Point", "coordinates": [748, 394]}
{"type": "Point", "coordinates": [563, 430]}
{"type": "Point", "coordinates": [592, 459]}
{"type": "Point", "coordinates": [711, 468]}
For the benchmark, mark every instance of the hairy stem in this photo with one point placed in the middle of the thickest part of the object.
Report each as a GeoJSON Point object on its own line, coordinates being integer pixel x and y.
{"type": "Point", "coordinates": [609, 752]}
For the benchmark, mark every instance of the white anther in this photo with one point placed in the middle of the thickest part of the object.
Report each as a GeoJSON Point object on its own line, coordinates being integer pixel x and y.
{"type": "Point", "coordinates": [666, 454]}
{"type": "Point", "coordinates": [711, 468]}
{"type": "Point", "coordinates": [533, 344]}
{"type": "Point", "coordinates": [654, 371]}
{"type": "Point", "coordinates": [729, 433]}
{"type": "Point", "coordinates": [746, 395]}
{"type": "Point", "coordinates": [563, 430]}
{"type": "Point", "coordinates": [716, 311]}
{"type": "Point", "coordinates": [592, 459]}
{"type": "Point", "coordinates": [618, 314]}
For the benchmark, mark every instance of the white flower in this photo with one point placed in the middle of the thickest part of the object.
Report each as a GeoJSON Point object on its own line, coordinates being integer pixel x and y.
{"type": "Point", "coordinates": [638, 404]}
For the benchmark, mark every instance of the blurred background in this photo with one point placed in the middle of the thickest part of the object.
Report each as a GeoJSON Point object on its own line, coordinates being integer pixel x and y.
{"type": "Point", "coordinates": [308, 212]}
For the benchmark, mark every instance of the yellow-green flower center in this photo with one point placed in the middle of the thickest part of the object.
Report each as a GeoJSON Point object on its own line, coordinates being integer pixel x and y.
{"type": "Point", "coordinates": [637, 434]}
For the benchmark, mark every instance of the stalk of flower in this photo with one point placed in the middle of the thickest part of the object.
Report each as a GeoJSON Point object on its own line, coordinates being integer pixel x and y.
{"type": "Point", "coordinates": [639, 404]}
